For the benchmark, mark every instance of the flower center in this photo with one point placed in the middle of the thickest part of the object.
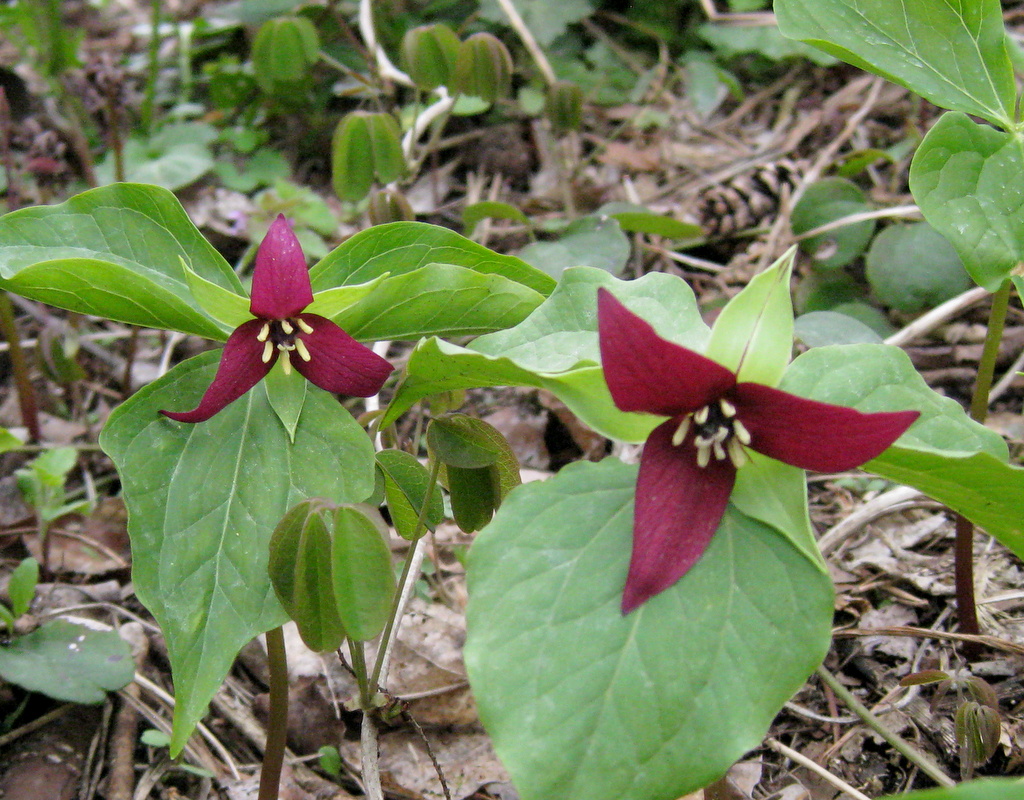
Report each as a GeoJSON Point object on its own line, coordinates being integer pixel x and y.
{"type": "Point", "coordinates": [716, 430]}
{"type": "Point", "coordinates": [283, 335]}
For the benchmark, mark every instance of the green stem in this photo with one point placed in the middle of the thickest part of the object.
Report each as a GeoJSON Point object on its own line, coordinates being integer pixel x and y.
{"type": "Point", "coordinates": [421, 522]}
{"type": "Point", "coordinates": [967, 611]}
{"type": "Point", "coordinates": [19, 368]}
{"type": "Point", "coordinates": [366, 689]}
{"type": "Point", "coordinates": [919, 759]}
{"type": "Point", "coordinates": [277, 724]}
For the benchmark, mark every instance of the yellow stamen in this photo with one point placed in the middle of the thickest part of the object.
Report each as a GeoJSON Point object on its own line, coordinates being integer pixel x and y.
{"type": "Point", "coordinates": [264, 333]}
{"type": "Point", "coordinates": [741, 433]}
{"type": "Point", "coordinates": [701, 416]}
{"type": "Point", "coordinates": [287, 327]}
{"type": "Point", "coordinates": [728, 409]}
{"type": "Point", "coordinates": [681, 431]}
{"type": "Point", "coordinates": [286, 364]}
{"type": "Point", "coordinates": [268, 351]}
{"type": "Point", "coordinates": [736, 453]}
{"type": "Point", "coordinates": [703, 455]}
{"type": "Point", "coordinates": [304, 326]}
{"type": "Point", "coordinates": [300, 348]}
{"type": "Point", "coordinates": [719, 451]}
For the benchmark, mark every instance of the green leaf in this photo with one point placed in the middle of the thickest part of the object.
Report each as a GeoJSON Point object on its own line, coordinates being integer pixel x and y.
{"type": "Point", "coordinates": [362, 575]}
{"type": "Point", "coordinates": [300, 571]}
{"type": "Point", "coordinates": [438, 299]}
{"type": "Point", "coordinates": [333, 303]}
{"type": "Point", "coordinates": [228, 307]}
{"type": "Point", "coordinates": [637, 219]}
{"type": "Point", "coordinates": [459, 440]}
{"type": "Point", "coordinates": [595, 241]}
{"type": "Point", "coordinates": [914, 267]}
{"type": "Point", "coordinates": [823, 202]}
{"type": "Point", "coordinates": [287, 395]}
{"type": "Point", "coordinates": [405, 486]}
{"type": "Point", "coordinates": [766, 40]}
{"type": "Point", "coordinates": [474, 495]}
{"type": "Point", "coordinates": [173, 158]}
{"type": "Point", "coordinates": [8, 441]}
{"type": "Point", "coordinates": [114, 252]}
{"type": "Point", "coordinates": [474, 213]}
{"type": "Point", "coordinates": [648, 706]}
{"type": "Point", "coordinates": [985, 789]}
{"type": "Point", "coordinates": [68, 662]}
{"type": "Point", "coordinates": [966, 178]}
{"type": "Point", "coordinates": [945, 454]}
{"type": "Point", "coordinates": [401, 247]}
{"type": "Point", "coordinates": [556, 348]}
{"type": "Point", "coordinates": [953, 54]}
{"type": "Point", "coordinates": [820, 328]}
{"type": "Point", "coordinates": [546, 21]}
{"type": "Point", "coordinates": [753, 335]}
{"type": "Point", "coordinates": [22, 585]}
{"type": "Point", "coordinates": [203, 501]}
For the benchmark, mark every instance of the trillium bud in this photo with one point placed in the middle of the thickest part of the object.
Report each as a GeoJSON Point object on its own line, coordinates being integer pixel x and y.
{"type": "Point", "coordinates": [366, 146]}
{"type": "Point", "coordinates": [430, 54]}
{"type": "Point", "coordinates": [484, 68]}
{"type": "Point", "coordinates": [565, 106]}
{"type": "Point", "coordinates": [388, 205]}
{"type": "Point", "coordinates": [977, 732]}
{"type": "Point", "coordinates": [283, 54]}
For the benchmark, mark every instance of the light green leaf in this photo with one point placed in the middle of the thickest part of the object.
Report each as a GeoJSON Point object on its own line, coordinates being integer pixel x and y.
{"type": "Point", "coordinates": [362, 576]}
{"type": "Point", "coordinates": [114, 252]}
{"type": "Point", "coordinates": [287, 395]}
{"type": "Point", "coordinates": [735, 40]}
{"type": "Point", "coordinates": [334, 302]}
{"type": "Point", "coordinates": [203, 501]}
{"type": "Point", "coordinates": [820, 328]}
{"type": "Point", "coordinates": [953, 54]}
{"type": "Point", "coordinates": [944, 454]}
{"type": "Point", "coordinates": [475, 213]}
{"type": "Point", "coordinates": [637, 219]}
{"type": "Point", "coordinates": [556, 348]}
{"type": "Point", "coordinates": [8, 441]}
{"type": "Point", "coordinates": [985, 789]}
{"type": "Point", "coordinates": [753, 336]}
{"type": "Point", "coordinates": [649, 706]}
{"type": "Point", "coordinates": [546, 21]}
{"type": "Point", "coordinates": [595, 241]}
{"type": "Point", "coordinates": [400, 247]}
{"type": "Point", "coordinates": [22, 585]}
{"type": "Point", "coordinates": [222, 304]}
{"type": "Point", "coordinates": [173, 158]}
{"type": "Point", "coordinates": [913, 268]}
{"type": "Point", "coordinates": [68, 662]}
{"type": "Point", "coordinates": [967, 179]}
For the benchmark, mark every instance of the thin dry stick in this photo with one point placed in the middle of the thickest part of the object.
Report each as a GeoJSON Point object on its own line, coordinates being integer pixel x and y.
{"type": "Point", "coordinates": [861, 216]}
{"type": "Point", "coordinates": [529, 42]}
{"type": "Point", "coordinates": [121, 781]}
{"type": "Point", "coordinates": [816, 768]}
{"type": "Point", "coordinates": [939, 315]}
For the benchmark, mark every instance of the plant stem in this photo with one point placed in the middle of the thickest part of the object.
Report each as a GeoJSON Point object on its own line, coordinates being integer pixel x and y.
{"type": "Point", "coordinates": [368, 738]}
{"type": "Point", "coordinates": [919, 759]}
{"type": "Point", "coordinates": [277, 724]}
{"type": "Point", "coordinates": [967, 611]}
{"type": "Point", "coordinates": [366, 689]}
{"type": "Point", "coordinates": [19, 367]}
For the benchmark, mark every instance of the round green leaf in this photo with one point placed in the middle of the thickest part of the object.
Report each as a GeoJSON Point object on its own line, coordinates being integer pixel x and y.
{"type": "Point", "coordinates": [68, 662]}
{"type": "Point", "coordinates": [826, 201]}
{"type": "Point", "coordinates": [820, 328]}
{"type": "Point", "coordinates": [362, 576]}
{"type": "Point", "coordinates": [649, 706]}
{"type": "Point", "coordinates": [914, 267]}
{"type": "Point", "coordinates": [595, 241]}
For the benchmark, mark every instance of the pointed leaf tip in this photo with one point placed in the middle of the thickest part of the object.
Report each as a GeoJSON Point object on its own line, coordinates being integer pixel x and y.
{"type": "Point", "coordinates": [280, 280]}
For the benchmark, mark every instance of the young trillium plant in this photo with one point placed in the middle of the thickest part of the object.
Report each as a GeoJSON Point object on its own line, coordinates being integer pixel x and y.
{"type": "Point", "coordinates": [316, 347]}
{"type": "Point", "coordinates": [689, 462]}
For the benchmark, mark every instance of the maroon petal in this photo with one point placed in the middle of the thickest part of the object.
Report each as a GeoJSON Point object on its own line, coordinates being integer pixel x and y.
{"type": "Point", "coordinates": [280, 280]}
{"type": "Point", "coordinates": [241, 367]}
{"type": "Point", "coordinates": [647, 373]}
{"type": "Point", "coordinates": [678, 508]}
{"type": "Point", "coordinates": [338, 363]}
{"type": "Point", "coordinates": [813, 435]}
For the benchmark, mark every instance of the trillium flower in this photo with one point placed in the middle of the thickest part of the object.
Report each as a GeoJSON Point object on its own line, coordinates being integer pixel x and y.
{"type": "Point", "coordinates": [689, 462]}
{"type": "Point", "coordinates": [316, 347]}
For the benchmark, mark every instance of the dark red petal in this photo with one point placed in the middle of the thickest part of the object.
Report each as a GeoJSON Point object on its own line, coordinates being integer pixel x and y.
{"type": "Point", "coordinates": [647, 373]}
{"type": "Point", "coordinates": [338, 363]}
{"type": "Point", "coordinates": [240, 368]}
{"type": "Point", "coordinates": [813, 435]}
{"type": "Point", "coordinates": [280, 280]}
{"type": "Point", "coordinates": [678, 508]}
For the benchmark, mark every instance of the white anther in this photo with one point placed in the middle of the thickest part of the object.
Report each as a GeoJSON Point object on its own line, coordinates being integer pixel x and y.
{"type": "Point", "coordinates": [286, 364]}
{"type": "Point", "coordinates": [701, 415]}
{"type": "Point", "coordinates": [703, 441]}
{"type": "Point", "coordinates": [741, 432]}
{"type": "Point", "coordinates": [264, 333]}
{"type": "Point", "coordinates": [681, 431]}
{"type": "Point", "coordinates": [736, 453]}
{"type": "Point", "coordinates": [721, 434]}
{"type": "Point", "coordinates": [300, 348]}
{"type": "Point", "coordinates": [268, 351]}
{"type": "Point", "coordinates": [728, 409]}
{"type": "Point", "coordinates": [304, 326]}
{"type": "Point", "coordinates": [703, 455]}
{"type": "Point", "coordinates": [719, 451]}
{"type": "Point", "coordinates": [287, 327]}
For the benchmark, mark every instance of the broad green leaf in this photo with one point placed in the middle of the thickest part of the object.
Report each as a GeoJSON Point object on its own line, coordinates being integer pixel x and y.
{"type": "Point", "coordinates": [475, 213]}
{"type": "Point", "coordinates": [225, 306]}
{"type": "Point", "coordinates": [459, 440]}
{"type": "Point", "coordinates": [944, 454]}
{"type": "Point", "coordinates": [300, 571]}
{"type": "Point", "coordinates": [966, 178]}
{"type": "Point", "coordinates": [730, 41]}
{"type": "Point", "coordinates": [22, 585]}
{"type": "Point", "coordinates": [556, 348]}
{"type": "Point", "coordinates": [474, 495]}
{"type": "Point", "coordinates": [984, 789]}
{"type": "Point", "coordinates": [823, 202]}
{"type": "Point", "coordinates": [400, 247]}
{"type": "Point", "coordinates": [595, 241]}
{"type": "Point", "coordinates": [68, 662]}
{"type": "Point", "coordinates": [176, 156]}
{"type": "Point", "coordinates": [334, 302]}
{"type": "Point", "coordinates": [649, 706]}
{"type": "Point", "coordinates": [753, 336]}
{"type": "Point", "coordinates": [438, 299]}
{"type": "Point", "coordinates": [637, 219]}
{"type": "Point", "coordinates": [405, 487]}
{"type": "Point", "coordinates": [952, 53]}
{"type": "Point", "coordinates": [114, 252]}
{"type": "Point", "coordinates": [203, 501]}
{"type": "Point", "coordinates": [362, 575]}
{"type": "Point", "coordinates": [820, 328]}
{"type": "Point", "coordinates": [913, 268]}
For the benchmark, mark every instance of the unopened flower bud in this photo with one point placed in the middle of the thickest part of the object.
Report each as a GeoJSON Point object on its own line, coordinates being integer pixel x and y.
{"type": "Point", "coordinates": [484, 68]}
